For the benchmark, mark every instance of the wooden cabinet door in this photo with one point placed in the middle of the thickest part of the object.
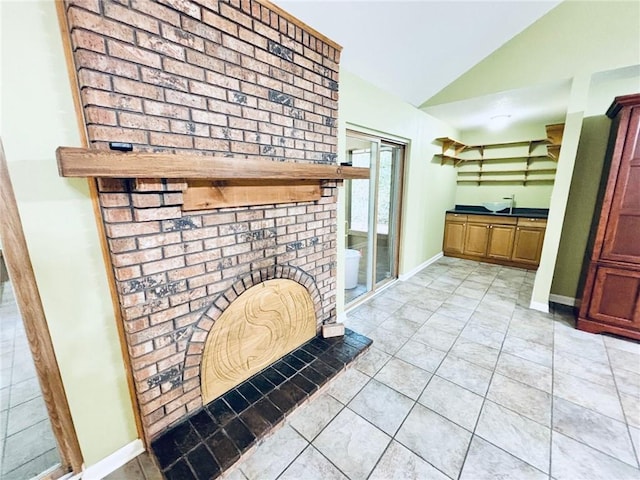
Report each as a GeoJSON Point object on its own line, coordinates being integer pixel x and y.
{"type": "Point", "coordinates": [454, 237]}
{"type": "Point", "coordinates": [616, 297]}
{"type": "Point", "coordinates": [527, 245]}
{"type": "Point", "coordinates": [476, 239]}
{"type": "Point", "coordinates": [500, 241]}
{"type": "Point", "coordinates": [622, 238]}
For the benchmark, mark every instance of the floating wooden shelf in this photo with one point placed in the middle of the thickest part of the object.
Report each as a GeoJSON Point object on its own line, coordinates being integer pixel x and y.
{"type": "Point", "coordinates": [553, 151]}
{"type": "Point", "coordinates": [457, 160]}
{"type": "Point", "coordinates": [448, 143]}
{"type": "Point", "coordinates": [460, 147]}
{"type": "Point", "coordinates": [497, 176]}
{"type": "Point", "coordinates": [83, 162]}
{"type": "Point", "coordinates": [502, 172]}
{"type": "Point", "coordinates": [512, 154]}
{"type": "Point", "coordinates": [510, 180]}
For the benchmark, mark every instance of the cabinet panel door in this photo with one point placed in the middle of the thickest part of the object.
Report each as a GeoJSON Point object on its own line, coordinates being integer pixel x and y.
{"type": "Point", "coordinates": [501, 241]}
{"type": "Point", "coordinates": [527, 246]}
{"type": "Point", "coordinates": [622, 240]}
{"type": "Point", "coordinates": [454, 237]}
{"type": "Point", "coordinates": [476, 239]}
{"type": "Point", "coordinates": [615, 297]}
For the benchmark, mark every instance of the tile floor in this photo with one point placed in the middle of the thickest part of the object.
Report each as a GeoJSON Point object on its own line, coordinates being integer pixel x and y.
{"type": "Point", "coordinates": [463, 381]}
{"type": "Point", "coordinates": [27, 444]}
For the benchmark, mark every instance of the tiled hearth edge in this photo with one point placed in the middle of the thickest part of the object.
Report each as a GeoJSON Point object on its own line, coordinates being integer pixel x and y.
{"type": "Point", "coordinates": [214, 438]}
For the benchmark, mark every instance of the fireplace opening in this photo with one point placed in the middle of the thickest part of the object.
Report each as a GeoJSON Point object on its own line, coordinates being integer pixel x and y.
{"type": "Point", "coordinates": [263, 324]}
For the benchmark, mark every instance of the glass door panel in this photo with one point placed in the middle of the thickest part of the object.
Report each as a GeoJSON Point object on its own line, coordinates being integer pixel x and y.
{"type": "Point", "coordinates": [386, 220]}
{"type": "Point", "coordinates": [359, 224]}
{"type": "Point", "coordinates": [373, 207]}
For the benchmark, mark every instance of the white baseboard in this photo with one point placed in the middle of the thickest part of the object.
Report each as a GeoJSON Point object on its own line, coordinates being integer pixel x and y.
{"type": "Point", "coordinates": [107, 465]}
{"type": "Point", "coordinates": [562, 300]}
{"type": "Point", "coordinates": [540, 306]}
{"type": "Point", "coordinates": [342, 317]}
{"type": "Point", "coordinates": [406, 276]}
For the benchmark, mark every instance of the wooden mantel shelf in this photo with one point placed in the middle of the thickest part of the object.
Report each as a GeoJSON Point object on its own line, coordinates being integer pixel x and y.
{"type": "Point", "coordinates": [83, 162]}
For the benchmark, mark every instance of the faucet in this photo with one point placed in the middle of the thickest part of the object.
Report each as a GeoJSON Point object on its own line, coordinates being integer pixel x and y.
{"type": "Point", "coordinates": [512, 200]}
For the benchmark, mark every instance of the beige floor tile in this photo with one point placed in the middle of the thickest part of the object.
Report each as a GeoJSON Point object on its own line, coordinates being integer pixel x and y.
{"type": "Point", "coordinates": [434, 337]}
{"type": "Point", "coordinates": [483, 336]}
{"type": "Point", "coordinates": [487, 462]}
{"type": "Point", "coordinates": [372, 361]}
{"type": "Point", "coordinates": [525, 371]}
{"type": "Point", "coordinates": [466, 374]}
{"type": "Point", "coordinates": [476, 353]}
{"type": "Point", "coordinates": [404, 377]}
{"type": "Point", "coordinates": [587, 394]}
{"type": "Point", "coordinates": [352, 444]}
{"type": "Point", "coordinates": [382, 406]}
{"type": "Point", "coordinates": [437, 440]}
{"type": "Point", "coordinates": [310, 419]}
{"type": "Point", "coordinates": [521, 437]}
{"type": "Point", "coordinates": [596, 372]}
{"type": "Point", "coordinates": [421, 355]}
{"type": "Point", "coordinates": [274, 455]}
{"type": "Point", "coordinates": [312, 465]}
{"type": "Point", "coordinates": [598, 431]}
{"type": "Point", "coordinates": [400, 463]}
{"type": "Point", "coordinates": [573, 460]}
{"type": "Point", "coordinates": [347, 385]}
{"type": "Point", "coordinates": [521, 398]}
{"type": "Point", "coordinates": [528, 350]}
{"type": "Point", "coordinates": [447, 324]}
{"type": "Point", "coordinates": [452, 401]}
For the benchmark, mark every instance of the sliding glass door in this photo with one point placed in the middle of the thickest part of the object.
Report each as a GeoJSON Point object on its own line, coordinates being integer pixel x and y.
{"type": "Point", "coordinates": [373, 215]}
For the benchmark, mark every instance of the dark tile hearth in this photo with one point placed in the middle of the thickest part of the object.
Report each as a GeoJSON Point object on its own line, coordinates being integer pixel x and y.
{"type": "Point", "coordinates": [213, 439]}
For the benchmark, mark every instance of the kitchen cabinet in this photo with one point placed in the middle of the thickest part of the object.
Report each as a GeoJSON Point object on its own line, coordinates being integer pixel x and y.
{"type": "Point", "coordinates": [529, 236]}
{"type": "Point", "coordinates": [476, 239]}
{"type": "Point", "coordinates": [611, 296]}
{"type": "Point", "coordinates": [502, 239]}
{"type": "Point", "coordinates": [489, 236]}
{"type": "Point", "coordinates": [455, 228]}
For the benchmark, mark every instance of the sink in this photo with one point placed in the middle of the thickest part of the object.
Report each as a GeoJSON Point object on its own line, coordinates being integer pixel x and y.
{"type": "Point", "coordinates": [495, 206]}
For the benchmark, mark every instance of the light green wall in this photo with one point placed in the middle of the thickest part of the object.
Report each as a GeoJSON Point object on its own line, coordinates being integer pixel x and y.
{"type": "Point", "coordinates": [575, 38]}
{"type": "Point", "coordinates": [429, 187]}
{"type": "Point", "coordinates": [567, 279]}
{"type": "Point", "coordinates": [580, 205]}
{"type": "Point", "coordinates": [37, 116]}
{"type": "Point", "coordinates": [560, 193]}
{"type": "Point", "coordinates": [531, 195]}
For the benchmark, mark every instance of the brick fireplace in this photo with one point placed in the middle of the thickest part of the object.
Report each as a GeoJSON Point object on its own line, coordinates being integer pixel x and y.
{"type": "Point", "coordinates": [233, 78]}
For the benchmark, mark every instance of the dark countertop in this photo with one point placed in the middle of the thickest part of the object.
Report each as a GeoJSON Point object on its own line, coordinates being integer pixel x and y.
{"type": "Point", "coordinates": [517, 212]}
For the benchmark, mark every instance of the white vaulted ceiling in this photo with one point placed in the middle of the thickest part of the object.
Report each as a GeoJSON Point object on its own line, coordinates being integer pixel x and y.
{"type": "Point", "coordinates": [413, 49]}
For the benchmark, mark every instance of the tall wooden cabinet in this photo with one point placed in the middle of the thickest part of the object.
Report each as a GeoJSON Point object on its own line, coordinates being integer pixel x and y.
{"type": "Point", "coordinates": [611, 297]}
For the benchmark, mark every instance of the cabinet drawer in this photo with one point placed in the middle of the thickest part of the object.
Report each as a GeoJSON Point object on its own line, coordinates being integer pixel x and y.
{"type": "Point", "coordinates": [532, 222]}
{"type": "Point", "coordinates": [492, 220]}
{"type": "Point", "coordinates": [456, 217]}
{"type": "Point", "coordinates": [616, 297]}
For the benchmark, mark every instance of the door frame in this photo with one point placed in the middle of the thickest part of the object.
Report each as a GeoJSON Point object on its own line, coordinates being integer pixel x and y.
{"type": "Point", "coordinates": [23, 280]}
